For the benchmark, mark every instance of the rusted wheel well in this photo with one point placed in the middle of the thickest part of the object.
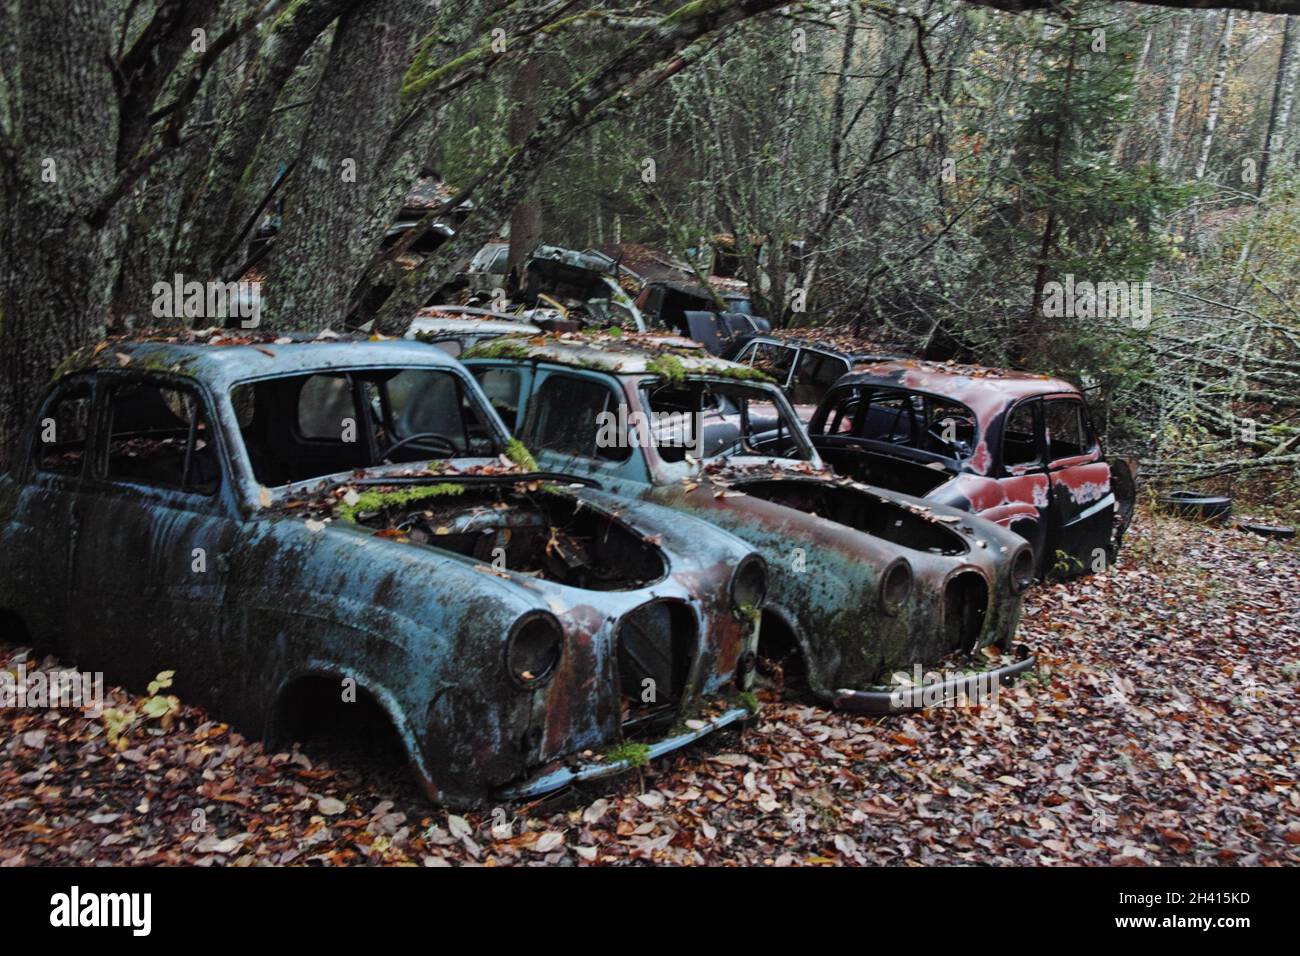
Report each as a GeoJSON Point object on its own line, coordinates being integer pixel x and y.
{"type": "Point", "coordinates": [313, 709]}
{"type": "Point", "coordinates": [779, 652]}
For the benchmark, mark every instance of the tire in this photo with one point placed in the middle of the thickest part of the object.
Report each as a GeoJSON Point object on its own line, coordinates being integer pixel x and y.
{"type": "Point", "coordinates": [1192, 504]}
{"type": "Point", "coordinates": [1281, 532]}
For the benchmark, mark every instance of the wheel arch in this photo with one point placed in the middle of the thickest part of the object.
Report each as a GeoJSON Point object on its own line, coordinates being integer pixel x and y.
{"type": "Point", "coordinates": [276, 724]}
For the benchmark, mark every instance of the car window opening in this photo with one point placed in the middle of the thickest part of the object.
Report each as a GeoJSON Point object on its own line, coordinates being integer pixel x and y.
{"type": "Point", "coordinates": [300, 427]}
{"type": "Point", "coordinates": [733, 419]}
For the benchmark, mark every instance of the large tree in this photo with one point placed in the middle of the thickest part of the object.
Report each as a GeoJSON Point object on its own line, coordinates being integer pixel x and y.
{"type": "Point", "coordinates": [152, 135]}
{"type": "Point", "coordinates": [142, 138]}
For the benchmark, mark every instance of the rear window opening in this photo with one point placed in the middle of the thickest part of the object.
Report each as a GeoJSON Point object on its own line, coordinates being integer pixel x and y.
{"type": "Point", "coordinates": [159, 436]}
{"type": "Point", "coordinates": [64, 427]}
{"type": "Point", "coordinates": [860, 510]}
{"type": "Point", "coordinates": [899, 418]}
{"type": "Point", "coordinates": [535, 533]}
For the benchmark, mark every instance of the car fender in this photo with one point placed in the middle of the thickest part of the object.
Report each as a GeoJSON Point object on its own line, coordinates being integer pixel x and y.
{"type": "Point", "coordinates": [388, 701]}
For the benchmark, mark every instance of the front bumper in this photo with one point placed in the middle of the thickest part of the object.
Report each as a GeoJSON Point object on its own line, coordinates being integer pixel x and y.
{"type": "Point", "coordinates": [965, 688]}
{"type": "Point", "coordinates": [547, 781]}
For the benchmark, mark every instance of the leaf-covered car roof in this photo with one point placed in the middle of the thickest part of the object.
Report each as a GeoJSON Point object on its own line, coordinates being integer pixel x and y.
{"type": "Point", "coordinates": [629, 353]}
{"type": "Point", "coordinates": [223, 358]}
{"type": "Point", "coordinates": [986, 391]}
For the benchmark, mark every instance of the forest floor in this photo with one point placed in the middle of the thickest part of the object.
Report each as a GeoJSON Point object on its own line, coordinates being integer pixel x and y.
{"type": "Point", "coordinates": [1161, 727]}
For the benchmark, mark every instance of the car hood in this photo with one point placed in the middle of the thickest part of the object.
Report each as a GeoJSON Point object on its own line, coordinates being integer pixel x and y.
{"type": "Point", "coordinates": [926, 523]}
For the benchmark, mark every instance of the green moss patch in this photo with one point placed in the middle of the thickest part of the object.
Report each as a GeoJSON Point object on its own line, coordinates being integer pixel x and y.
{"type": "Point", "coordinates": [742, 373]}
{"type": "Point", "coordinates": [668, 367]}
{"type": "Point", "coordinates": [373, 501]}
{"type": "Point", "coordinates": [505, 348]}
{"type": "Point", "coordinates": [518, 452]}
{"type": "Point", "coordinates": [633, 754]}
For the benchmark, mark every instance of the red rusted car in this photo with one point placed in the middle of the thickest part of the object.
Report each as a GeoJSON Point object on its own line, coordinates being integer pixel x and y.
{"type": "Point", "coordinates": [1016, 448]}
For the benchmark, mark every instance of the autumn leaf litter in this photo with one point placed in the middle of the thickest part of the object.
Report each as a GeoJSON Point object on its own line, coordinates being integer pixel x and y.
{"type": "Point", "coordinates": [1159, 729]}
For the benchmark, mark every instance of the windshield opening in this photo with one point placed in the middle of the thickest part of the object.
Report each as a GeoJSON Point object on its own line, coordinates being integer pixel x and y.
{"type": "Point", "coordinates": [721, 420]}
{"type": "Point", "coordinates": [301, 427]}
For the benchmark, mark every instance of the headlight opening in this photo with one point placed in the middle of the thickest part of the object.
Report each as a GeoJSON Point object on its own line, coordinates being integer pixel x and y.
{"type": "Point", "coordinates": [533, 649]}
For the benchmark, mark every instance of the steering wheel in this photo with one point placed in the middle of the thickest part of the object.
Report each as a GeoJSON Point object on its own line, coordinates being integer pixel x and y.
{"type": "Point", "coordinates": [936, 431]}
{"type": "Point", "coordinates": [448, 445]}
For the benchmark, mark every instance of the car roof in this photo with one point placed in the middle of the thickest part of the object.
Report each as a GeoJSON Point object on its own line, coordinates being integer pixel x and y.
{"type": "Point", "coordinates": [224, 358]}
{"type": "Point", "coordinates": [470, 322]}
{"type": "Point", "coordinates": [627, 354]}
{"type": "Point", "coordinates": [846, 348]}
{"type": "Point", "coordinates": [986, 391]}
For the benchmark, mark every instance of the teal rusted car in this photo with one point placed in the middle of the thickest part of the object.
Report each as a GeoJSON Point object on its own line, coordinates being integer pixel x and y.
{"type": "Point", "coordinates": [325, 535]}
{"type": "Point", "coordinates": [865, 582]}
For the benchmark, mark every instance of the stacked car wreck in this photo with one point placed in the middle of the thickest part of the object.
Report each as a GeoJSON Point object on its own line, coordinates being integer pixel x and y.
{"type": "Point", "coordinates": [1014, 447]}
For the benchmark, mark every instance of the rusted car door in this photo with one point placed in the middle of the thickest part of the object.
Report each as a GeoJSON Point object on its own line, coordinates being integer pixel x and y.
{"type": "Point", "coordinates": [155, 532]}
{"type": "Point", "coordinates": [42, 534]}
{"type": "Point", "coordinates": [1082, 505]}
{"type": "Point", "coordinates": [1024, 479]}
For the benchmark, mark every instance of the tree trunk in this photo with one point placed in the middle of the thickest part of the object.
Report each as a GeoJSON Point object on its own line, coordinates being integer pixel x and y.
{"type": "Point", "coordinates": [54, 271]}
{"type": "Point", "coordinates": [1049, 239]}
{"type": "Point", "coordinates": [526, 217]}
{"type": "Point", "coordinates": [1216, 93]}
{"type": "Point", "coordinates": [218, 207]}
{"type": "Point", "coordinates": [342, 196]}
{"type": "Point", "coordinates": [1173, 91]}
{"type": "Point", "coordinates": [1279, 115]}
{"type": "Point", "coordinates": [1117, 150]}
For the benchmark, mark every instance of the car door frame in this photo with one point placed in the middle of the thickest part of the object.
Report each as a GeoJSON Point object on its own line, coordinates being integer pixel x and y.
{"type": "Point", "coordinates": [822, 356]}
{"type": "Point", "coordinates": [525, 371]}
{"type": "Point", "coordinates": [48, 613]}
{"type": "Point", "coordinates": [187, 590]}
{"type": "Point", "coordinates": [610, 473]}
{"type": "Point", "coordinates": [754, 344]}
{"type": "Point", "coordinates": [1079, 528]}
{"type": "Point", "coordinates": [1027, 483]}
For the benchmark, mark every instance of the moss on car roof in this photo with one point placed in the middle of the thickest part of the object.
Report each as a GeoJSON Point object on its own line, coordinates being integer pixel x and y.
{"type": "Point", "coordinates": [627, 353]}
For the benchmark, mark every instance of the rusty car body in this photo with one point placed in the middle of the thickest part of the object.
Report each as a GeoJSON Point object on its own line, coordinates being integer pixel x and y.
{"type": "Point", "coordinates": [454, 328]}
{"type": "Point", "coordinates": [1016, 448]}
{"type": "Point", "coordinates": [672, 297]}
{"type": "Point", "coordinates": [583, 284]}
{"type": "Point", "coordinates": [864, 581]}
{"type": "Point", "coordinates": [275, 518]}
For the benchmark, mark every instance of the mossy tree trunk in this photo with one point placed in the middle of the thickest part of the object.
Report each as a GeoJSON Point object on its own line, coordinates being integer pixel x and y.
{"type": "Point", "coordinates": [57, 157]}
{"type": "Point", "coordinates": [344, 190]}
